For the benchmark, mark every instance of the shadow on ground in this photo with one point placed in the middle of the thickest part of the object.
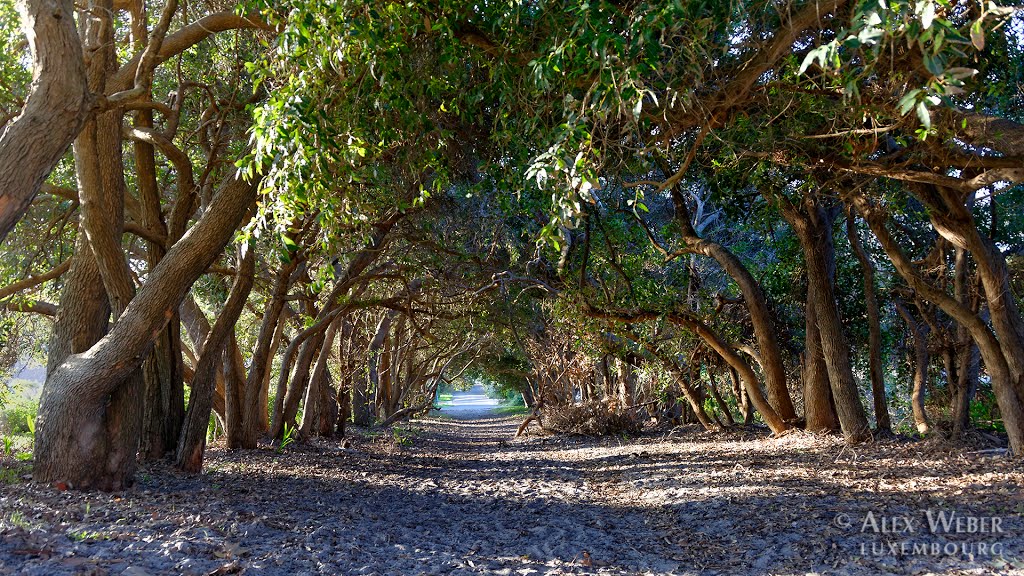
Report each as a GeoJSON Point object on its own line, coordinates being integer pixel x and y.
{"type": "Point", "coordinates": [463, 497]}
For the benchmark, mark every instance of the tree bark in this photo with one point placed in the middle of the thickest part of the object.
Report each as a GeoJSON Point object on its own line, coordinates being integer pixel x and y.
{"type": "Point", "coordinates": [953, 221]}
{"type": "Point", "coordinates": [627, 383]}
{"type": "Point", "coordinates": [57, 106]}
{"type": "Point", "coordinates": [813, 227]}
{"type": "Point", "coordinates": [967, 359]}
{"type": "Point", "coordinates": [234, 391]}
{"type": "Point", "coordinates": [1010, 405]}
{"type": "Point", "coordinates": [317, 380]}
{"type": "Point", "coordinates": [756, 303]}
{"type": "Point", "coordinates": [882, 421]}
{"type": "Point", "coordinates": [192, 442]}
{"type": "Point", "coordinates": [253, 400]}
{"type": "Point", "coordinates": [198, 329]}
{"type": "Point", "coordinates": [71, 431]}
{"type": "Point", "coordinates": [716, 343]}
{"type": "Point", "coordinates": [369, 389]}
{"type": "Point", "coordinates": [818, 405]}
{"type": "Point", "coordinates": [919, 333]}
{"type": "Point", "coordinates": [718, 399]}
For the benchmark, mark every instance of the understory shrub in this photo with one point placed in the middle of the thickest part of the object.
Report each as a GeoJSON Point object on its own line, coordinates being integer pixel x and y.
{"type": "Point", "coordinates": [16, 415]}
{"type": "Point", "coordinates": [591, 418]}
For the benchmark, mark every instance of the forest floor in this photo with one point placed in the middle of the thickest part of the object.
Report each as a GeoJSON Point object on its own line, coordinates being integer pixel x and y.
{"type": "Point", "coordinates": [445, 496]}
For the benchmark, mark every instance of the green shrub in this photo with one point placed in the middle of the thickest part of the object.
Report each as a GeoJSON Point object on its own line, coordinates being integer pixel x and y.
{"type": "Point", "coordinates": [19, 417]}
{"type": "Point", "coordinates": [985, 412]}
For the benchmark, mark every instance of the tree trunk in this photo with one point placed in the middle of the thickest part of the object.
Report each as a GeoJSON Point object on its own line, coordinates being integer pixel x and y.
{"type": "Point", "coordinates": [57, 106]}
{"type": "Point", "coordinates": [818, 410]}
{"type": "Point", "coordinates": [813, 226]}
{"type": "Point", "coordinates": [234, 393]}
{"type": "Point", "coordinates": [953, 220]}
{"type": "Point", "coordinates": [97, 435]}
{"type": "Point", "coordinates": [967, 359]}
{"type": "Point", "coordinates": [627, 383]}
{"type": "Point", "coordinates": [83, 435]}
{"type": "Point", "coordinates": [262, 357]}
{"type": "Point", "coordinates": [192, 442]}
{"type": "Point", "coordinates": [317, 381]}
{"type": "Point", "coordinates": [99, 424]}
{"type": "Point", "coordinates": [386, 393]}
{"type": "Point", "coordinates": [718, 399]}
{"type": "Point", "coordinates": [327, 418]}
{"type": "Point", "coordinates": [746, 373]}
{"type": "Point", "coordinates": [346, 354]}
{"type": "Point", "coordinates": [882, 421]}
{"type": "Point", "coordinates": [967, 386]}
{"type": "Point", "coordinates": [695, 402]}
{"type": "Point", "coordinates": [756, 303]}
{"type": "Point", "coordinates": [162, 372]}
{"type": "Point", "coordinates": [741, 397]}
{"type": "Point", "coordinates": [919, 333]}
{"type": "Point", "coordinates": [198, 329]}
{"type": "Point", "coordinates": [1010, 405]}
{"type": "Point", "coordinates": [286, 406]}
{"type": "Point", "coordinates": [368, 387]}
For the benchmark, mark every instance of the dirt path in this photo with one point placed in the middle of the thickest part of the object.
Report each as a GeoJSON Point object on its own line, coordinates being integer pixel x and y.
{"type": "Point", "coordinates": [463, 497]}
{"type": "Point", "coordinates": [472, 404]}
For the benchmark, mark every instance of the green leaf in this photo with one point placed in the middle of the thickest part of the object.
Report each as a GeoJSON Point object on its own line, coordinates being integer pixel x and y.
{"type": "Point", "coordinates": [818, 53]}
{"type": "Point", "coordinates": [924, 116]}
{"type": "Point", "coordinates": [978, 35]}
{"type": "Point", "coordinates": [960, 73]}
{"type": "Point", "coordinates": [933, 64]}
{"type": "Point", "coordinates": [908, 101]}
{"type": "Point", "coordinates": [928, 14]}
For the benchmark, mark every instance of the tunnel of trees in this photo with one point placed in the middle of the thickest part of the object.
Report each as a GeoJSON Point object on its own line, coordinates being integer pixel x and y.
{"type": "Point", "coordinates": [287, 216]}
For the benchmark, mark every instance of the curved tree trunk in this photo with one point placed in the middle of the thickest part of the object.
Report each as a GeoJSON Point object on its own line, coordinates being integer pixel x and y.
{"type": "Point", "coordinates": [317, 381]}
{"type": "Point", "coordinates": [741, 397]}
{"type": "Point", "coordinates": [756, 303]}
{"type": "Point", "coordinates": [101, 424]}
{"type": "Point", "coordinates": [198, 329]}
{"type": "Point", "coordinates": [58, 104]}
{"type": "Point", "coordinates": [919, 333]}
{"type": "Point", "coordinates": [716, 343]}
{"type": "Point", "coordinates": [370, 387]}
{"type": "Point", "coordinates": [1010, 405]}
{"type": "Point", "coordinates": [953, 220]}
{"type": "Point", "coordinates": [254, 400]}
{"type": "Point", "coordinates": [103, 442]}
{"type": "Point", "coordinates": [191, 444]}
{"type": "Point", "coordinates": [718, 399]}
{"type": "Point", "coordinates": [78, 416]}
{"type": "Point", "coordinates": [307, 344]}
{"type": "Point", "coordinates": [691, 395]}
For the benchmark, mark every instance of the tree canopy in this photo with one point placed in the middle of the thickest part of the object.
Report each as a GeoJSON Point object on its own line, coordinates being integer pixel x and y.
{"type": "Point", "coordinates": [295, 214]}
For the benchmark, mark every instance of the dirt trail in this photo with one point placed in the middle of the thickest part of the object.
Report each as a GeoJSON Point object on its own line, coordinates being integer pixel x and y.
{"type": "Point", "coordinates": [464, 497]}
{"type": "Point", "coordinates": [472, 404]}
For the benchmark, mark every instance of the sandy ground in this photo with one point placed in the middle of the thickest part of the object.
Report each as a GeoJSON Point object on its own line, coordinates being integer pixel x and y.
{"type": "Point", "coordinates": [471, 404]}
{"type": "Point", "coordinates": [446, 496]}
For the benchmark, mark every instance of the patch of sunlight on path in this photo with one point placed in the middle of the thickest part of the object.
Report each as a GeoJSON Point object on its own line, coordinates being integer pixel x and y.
{"type": "Point", "coordinates": [469, 405]}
